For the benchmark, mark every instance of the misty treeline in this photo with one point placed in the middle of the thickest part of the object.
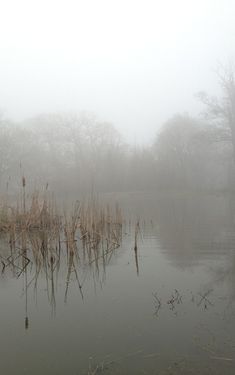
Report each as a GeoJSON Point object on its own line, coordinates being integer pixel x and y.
{"type": "Point", "coordinates": [77, 152]}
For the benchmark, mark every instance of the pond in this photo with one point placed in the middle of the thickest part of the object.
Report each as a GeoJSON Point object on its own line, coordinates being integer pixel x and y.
{"type": "Point", "coordinates": [164, 307]}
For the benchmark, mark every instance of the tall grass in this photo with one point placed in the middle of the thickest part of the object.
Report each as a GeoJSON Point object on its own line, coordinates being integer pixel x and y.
{"type": "Point", "coordinates": [38, 232]}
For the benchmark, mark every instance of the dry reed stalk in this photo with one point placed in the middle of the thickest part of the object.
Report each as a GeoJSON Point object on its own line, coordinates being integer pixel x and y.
{"type": "Point", "coordinates": [23, 185]}
{"type": "Point", "coordinates": [70, 229]}
{"type": "Point", "coordinates": [96, 228]}
{"type": "Point", "coordinates": [137, 229]}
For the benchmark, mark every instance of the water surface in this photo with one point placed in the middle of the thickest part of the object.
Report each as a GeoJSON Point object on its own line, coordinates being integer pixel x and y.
{"type": "Point", "coordinates": [168, 309]}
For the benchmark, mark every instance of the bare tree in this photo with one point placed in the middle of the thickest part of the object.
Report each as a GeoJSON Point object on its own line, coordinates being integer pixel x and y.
{"type": "Point", "coordinates": [188, 156]}
{"type": "Point", "coordinates": [222, 110]}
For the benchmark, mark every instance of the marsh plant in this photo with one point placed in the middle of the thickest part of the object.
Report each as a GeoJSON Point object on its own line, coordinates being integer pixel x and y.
{"type": "Point", "coordinates": [42, 238]}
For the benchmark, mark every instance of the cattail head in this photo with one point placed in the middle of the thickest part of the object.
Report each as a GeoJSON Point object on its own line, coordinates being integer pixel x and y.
{"type": "Point", "coordinates": [26, 322]}
{"type": "Point", "coordinates": [23, 181]}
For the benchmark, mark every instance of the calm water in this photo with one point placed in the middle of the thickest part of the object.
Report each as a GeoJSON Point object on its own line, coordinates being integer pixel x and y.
{"type": "Point", "coordinates": [170, 310]}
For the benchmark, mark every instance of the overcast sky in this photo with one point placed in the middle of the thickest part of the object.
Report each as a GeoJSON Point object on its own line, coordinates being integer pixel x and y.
{"type": "Point", "coordinates": [134, 63]}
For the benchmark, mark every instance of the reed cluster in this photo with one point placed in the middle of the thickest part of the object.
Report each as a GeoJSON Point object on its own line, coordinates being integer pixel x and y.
{"type": "Point", "coordinates": [88, 231]}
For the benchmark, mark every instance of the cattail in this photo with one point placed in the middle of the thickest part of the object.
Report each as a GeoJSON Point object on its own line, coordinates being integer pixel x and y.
{"type": "Point", "coordinates": [26, 322]}
{"type": "Point", "coordinates": [23, 184]}
{"type": "Point", "coordinates": [23, 181]}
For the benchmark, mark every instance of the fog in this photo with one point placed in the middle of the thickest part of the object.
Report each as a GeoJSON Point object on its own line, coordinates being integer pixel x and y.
{"type": "Point", "coordinates": [126, 96]}
{"type": "Point", "coordinates": [117, 186]}
{"type": "Point", "coordinates": [132, 63]}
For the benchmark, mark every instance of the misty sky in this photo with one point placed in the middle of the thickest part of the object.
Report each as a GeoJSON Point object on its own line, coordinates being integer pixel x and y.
{"type": "Point", "coordinates": [134, 63]}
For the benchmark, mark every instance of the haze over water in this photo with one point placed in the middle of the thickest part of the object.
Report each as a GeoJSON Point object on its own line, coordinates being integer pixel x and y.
{"type": "Point", "coordinates": [117, 181]}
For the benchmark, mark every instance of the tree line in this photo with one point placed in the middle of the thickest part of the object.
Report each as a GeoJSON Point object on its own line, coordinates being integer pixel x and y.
{"type": "Point", "coordinates": [77, 152]}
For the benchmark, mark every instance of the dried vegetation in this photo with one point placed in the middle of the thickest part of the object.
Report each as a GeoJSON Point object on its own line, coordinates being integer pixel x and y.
{"type": "Point", "coordinates": [38, 234]}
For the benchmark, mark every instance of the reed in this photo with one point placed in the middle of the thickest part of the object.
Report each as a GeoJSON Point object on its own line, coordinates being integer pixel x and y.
{"type": "Point", "coordinates": [39, 235]}
{"type": "Point", "coordinates": [88, 232]}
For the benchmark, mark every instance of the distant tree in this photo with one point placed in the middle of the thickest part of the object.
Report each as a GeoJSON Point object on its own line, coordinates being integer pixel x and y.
{"type": "Point", "coordinates": [186, 156]}
{"type": "Point", "coordinates": [78, 149]}
{"type": "Point", "coordinates": [174, 149]}
{"type": "Point", "coordinates": [222, 110]}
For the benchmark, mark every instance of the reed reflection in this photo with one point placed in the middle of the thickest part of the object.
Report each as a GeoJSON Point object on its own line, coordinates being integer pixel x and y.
{"type": "Point", "coordinates": [44, 246]}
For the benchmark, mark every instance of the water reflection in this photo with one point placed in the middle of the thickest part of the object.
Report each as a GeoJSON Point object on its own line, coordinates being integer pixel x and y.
{"type": "Point", "coordinates": [39, 256]}
{"type": "Point", "coordinates": [188, 230]}
{"type": "Point", "coordinates": [129, 301]}
{"type": "Point", "coordinates": [192, 227]}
